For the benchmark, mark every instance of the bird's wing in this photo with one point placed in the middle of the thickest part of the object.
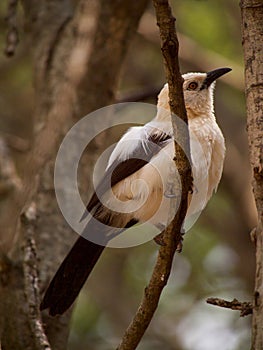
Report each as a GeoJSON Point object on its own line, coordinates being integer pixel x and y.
{"type": "Point", "coordinates": [217, 161]}
{"type": "Point", "coordinates": [135, 149]}
{"type": "Point", "coordinates": [207, 153]}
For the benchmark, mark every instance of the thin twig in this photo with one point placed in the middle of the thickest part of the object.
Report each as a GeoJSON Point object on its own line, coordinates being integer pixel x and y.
{"type": "Point", "coordinates": [31, 281]}
{"type": "Point", "coordinates": [245, 307]}
{"type": "Point", "coordinates": [12, 37]}
{"type": "Point", "coordinates": [172, 234]}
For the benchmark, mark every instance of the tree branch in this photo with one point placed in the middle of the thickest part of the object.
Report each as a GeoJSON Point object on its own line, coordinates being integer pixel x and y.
{"type": "Point", "coordinates": [252, 14]}
{"type": "Point", "coordinates": [171, 236]}
{"type": "Point", "coordinates": [245, 308]}
{"type": "Point", "coordinates": [68, 43]}
{"type": "Point", "coordinates": [31, 281]}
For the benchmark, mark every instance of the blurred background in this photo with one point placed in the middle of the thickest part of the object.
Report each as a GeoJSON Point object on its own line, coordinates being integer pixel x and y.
{"type": "Point", "coordinates": [218, 256]}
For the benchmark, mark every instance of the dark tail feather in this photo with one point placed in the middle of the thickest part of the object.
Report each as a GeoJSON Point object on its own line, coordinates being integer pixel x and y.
{"type": "Point", "coordinates": [78, 264]}
{"type": "Point", "coordinates": [71, 276]}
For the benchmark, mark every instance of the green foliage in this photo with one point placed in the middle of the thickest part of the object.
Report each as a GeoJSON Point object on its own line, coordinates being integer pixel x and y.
{"type": "Point", "coordinates": [212, 24]}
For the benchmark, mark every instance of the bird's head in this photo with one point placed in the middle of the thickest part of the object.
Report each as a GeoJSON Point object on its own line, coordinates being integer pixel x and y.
{"type": "Point", "coordinates": [198, 91]}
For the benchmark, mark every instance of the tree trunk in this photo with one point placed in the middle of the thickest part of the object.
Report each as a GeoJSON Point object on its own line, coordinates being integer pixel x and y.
{"type": "Point", "coordinates": [67, 86]}
{"type": "Point", "coordinates": [252, 20]}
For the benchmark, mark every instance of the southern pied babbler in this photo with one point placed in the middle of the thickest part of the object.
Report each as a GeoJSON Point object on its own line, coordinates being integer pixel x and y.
{"type": "Point", "coordinates": [137, 155]}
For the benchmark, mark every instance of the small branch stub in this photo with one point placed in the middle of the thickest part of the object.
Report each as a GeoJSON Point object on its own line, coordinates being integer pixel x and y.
{"type": "Point", "coordinates": [245, 308]}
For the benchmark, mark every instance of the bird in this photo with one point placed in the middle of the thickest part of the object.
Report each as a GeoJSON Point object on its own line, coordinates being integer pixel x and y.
{"type": "Point", "coordinates": [132, 190]}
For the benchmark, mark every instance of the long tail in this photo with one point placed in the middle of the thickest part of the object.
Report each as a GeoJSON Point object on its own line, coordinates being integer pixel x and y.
{"type": "Point", "coordinates": [71, 276]}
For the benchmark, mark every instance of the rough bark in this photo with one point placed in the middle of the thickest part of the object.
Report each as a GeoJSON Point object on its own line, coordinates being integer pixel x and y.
{"type": "Point", "coordinates": [171, 236]}
{"type": "Point", "coordinates": [252, 20]}
{"type": "Point", "coordinates": [68, 44]}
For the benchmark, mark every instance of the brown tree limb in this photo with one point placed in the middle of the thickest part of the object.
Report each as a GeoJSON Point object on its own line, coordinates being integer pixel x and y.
{"type": "Point", "coordinates": [66, 85]}
{"type": "Point", "coordinates": [171, 236]}
{"type": "Point", "coordinates": [32, 281]}
{"type": "Point", "coordinates": [252, 14]}
{"type": "Point", "coordinates": [245, 307]}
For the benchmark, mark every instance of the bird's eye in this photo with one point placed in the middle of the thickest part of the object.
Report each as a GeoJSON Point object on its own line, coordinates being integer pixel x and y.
{"type": "Point", "coordinates": [192, 86]}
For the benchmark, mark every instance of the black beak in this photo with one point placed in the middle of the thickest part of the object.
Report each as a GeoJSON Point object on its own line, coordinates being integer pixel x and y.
{"type": "Point", "coordinates": [213, 75]}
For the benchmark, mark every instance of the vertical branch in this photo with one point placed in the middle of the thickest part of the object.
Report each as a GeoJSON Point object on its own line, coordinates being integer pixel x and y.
{"type": "Point", "coordinates": [171, 236]}
{"type": "Point", "coordinates": [252, 14]}
{"type": "Point", "coordinates": [68, 42]}
{"type": "Point", "coordinates": [31, 281]}
{"type": "Point", "coordinates": [170, 49]}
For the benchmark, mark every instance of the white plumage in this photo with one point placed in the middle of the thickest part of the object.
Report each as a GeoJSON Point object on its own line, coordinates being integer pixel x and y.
{"type": "Point", "coordinates": [135, 183]}
{"type": "Point", "coordinates": [142, 193]}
